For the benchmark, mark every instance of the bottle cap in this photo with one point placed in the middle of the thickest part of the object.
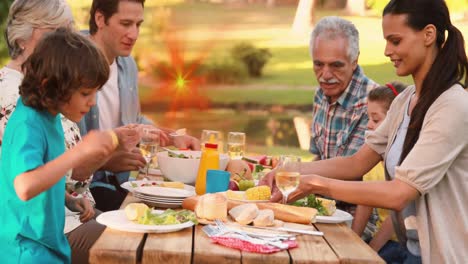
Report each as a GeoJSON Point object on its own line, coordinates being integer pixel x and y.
{"type": "Point", "coordinates": [211, 145]}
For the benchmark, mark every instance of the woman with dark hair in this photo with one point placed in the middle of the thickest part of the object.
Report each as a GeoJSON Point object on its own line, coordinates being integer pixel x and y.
{"type": "Point", "coordinates": [422, 140]}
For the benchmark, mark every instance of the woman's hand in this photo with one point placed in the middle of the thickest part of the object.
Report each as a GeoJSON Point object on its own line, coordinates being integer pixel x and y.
{"type": "Point", "coordinates": [81, 205]}
{"type": "Point", "coordinates": [186, 142]}
{"type": "Point", "coordinates": [164, 139]}
{"type": "Point", "coordinates": [128, 136]}
{"type": "Point", "coordinates": [309, 184]}
{"type": "Point", "coordinates": [269, 180]}
{"type": "Point", "coordinates": [123, 160]}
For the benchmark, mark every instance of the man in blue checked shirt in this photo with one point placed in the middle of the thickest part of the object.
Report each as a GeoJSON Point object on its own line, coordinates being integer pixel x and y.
{"type": "Point", "coordinates": [340, 103]}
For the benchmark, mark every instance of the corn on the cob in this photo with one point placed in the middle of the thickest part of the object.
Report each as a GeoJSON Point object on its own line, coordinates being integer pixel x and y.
{"type": "Point", "coordinates": [258, 193]}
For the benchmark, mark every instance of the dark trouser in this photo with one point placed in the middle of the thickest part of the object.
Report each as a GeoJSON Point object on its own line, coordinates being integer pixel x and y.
{"type": "Point", "coordinates": [82, 238]}
{"type": "Point", "coordinates": [395, 253]}
{"type": "Point", "coordinates": [107, 199]}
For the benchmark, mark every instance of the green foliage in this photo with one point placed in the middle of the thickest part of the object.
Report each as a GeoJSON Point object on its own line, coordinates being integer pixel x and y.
{"type": "Point", "coordinates": [253, 58]}
{"type": "Point", "coordinates": [226, 71]}
{"type": "Point", "coordinates": [159, 19]}
{"type": "Point", "coordinates": [4, 8]}
{"type": "Point", "coordinates": [455, 6]}
{"type": "Point", "coordinates": [222, 71]}
{"type": "Point", "coordinates": [377, 5]}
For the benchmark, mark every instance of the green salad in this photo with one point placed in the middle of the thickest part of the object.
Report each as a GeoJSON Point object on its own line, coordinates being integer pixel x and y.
{"type": "Point", "coordinates": [311, 201]}
{"type": "Point", "coordinates": [168, 217]}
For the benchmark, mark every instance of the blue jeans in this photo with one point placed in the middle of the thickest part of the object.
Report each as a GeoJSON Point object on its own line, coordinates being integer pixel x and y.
{"type": "Point", "coordinates": [395, 253]}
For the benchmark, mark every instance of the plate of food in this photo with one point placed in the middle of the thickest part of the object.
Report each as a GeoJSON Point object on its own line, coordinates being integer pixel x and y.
{"type": "Point", "coordinates": [131, 186]}
{"type": "Point", "coordinates": [259, 194]}
{"type": "Point", "coordinates": [158, 191]}
{"type": "Point", "coordinates": [338, 216]}
{"type": "Point", "coordinates": [326, 209]}
{"type": "Point", "coordinates": [138, 217]}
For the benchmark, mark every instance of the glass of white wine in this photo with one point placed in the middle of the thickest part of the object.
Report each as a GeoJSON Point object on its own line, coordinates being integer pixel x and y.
{"type": "Point", "coordinates": [288, 175]}
{"type": "Point", "coordinates": [236, 145]}
{"type": "Point", "coordinates": [149, 144]}
{"type": "Point", "coordinates": [211, 136]}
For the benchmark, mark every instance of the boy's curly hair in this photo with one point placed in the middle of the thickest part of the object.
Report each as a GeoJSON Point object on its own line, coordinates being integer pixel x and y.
{"type": "Point", "coordinates": [62, 62]}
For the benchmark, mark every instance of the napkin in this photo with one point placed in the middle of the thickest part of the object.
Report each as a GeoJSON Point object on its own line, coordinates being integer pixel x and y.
{"type": "Point", "coordinates": [243, 245]}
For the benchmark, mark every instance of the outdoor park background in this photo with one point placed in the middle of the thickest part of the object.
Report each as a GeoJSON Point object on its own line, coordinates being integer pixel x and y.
{"type": "Point", "coordinates": [190, 78]}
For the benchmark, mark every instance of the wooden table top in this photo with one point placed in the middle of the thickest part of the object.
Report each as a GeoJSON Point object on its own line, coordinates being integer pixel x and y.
{"type": "Point", "coordinates": [338, 245]}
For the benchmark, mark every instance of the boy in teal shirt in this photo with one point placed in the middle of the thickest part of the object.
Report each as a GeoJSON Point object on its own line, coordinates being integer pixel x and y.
{"type": "Point", "coordinates": [62, 77]}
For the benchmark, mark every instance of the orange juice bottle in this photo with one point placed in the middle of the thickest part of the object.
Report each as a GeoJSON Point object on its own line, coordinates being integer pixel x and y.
{"type": "Point", "coordinates": [209, 161]}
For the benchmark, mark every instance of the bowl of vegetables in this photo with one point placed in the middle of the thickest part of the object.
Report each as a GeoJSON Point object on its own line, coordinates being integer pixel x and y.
{"type": "Point", "coordinates": [183, 165]}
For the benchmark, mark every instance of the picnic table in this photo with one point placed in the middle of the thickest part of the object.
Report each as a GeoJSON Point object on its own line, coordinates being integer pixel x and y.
{"type": "Point", "coordinates": [338, 245]}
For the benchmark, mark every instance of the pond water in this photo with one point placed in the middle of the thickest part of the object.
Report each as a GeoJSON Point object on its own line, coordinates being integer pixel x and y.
{"type": "Point", "coordinates": [261, 127]}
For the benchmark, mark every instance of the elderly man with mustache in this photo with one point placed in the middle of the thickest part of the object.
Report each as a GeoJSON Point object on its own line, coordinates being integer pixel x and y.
{"type": "Point", "coordinates": [340, 103]}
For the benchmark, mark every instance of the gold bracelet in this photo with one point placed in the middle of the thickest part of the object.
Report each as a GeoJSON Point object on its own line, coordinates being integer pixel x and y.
{"type": "Point", "coordinates": [115, 139]}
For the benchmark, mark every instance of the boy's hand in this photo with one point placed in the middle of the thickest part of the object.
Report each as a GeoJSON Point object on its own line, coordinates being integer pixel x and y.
{"type": "Point", "coordinates": [81, 205]}
{"type": "Point", "coordinates": [96, 145]}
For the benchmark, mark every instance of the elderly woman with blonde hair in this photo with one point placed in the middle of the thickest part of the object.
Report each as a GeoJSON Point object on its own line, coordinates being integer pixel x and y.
{"type": "Point", "coordinates": [28, 21]}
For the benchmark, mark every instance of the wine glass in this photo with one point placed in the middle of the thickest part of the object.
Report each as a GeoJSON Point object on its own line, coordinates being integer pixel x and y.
{"type": "Point", "coordinates": [211, 136]}
{"type": "Point", "coordinates": [149, 144]}
{"type": "Point", "coordinates": [288, 175]}
{"type": "Point", "coordinates": [236, 145]}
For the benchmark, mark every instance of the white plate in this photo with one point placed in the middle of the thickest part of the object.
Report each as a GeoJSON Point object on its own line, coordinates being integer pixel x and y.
{"type": "Point", "coordinates": [117, 220]}
{"type": "Point", "coordinates": [162, 204]}
{"type": "Point", "coordinates": [151, 199]}
{"type": "Point", "coordinates": [338, 217]}
{"type": "Point", "coordinates": [245, 200]}
{"type": "Point", "coordinates": [128, 185]}
{"type": "Point", "coordinates": [165, 192]}
{"type": "Point", "coordinates": [158, 204]}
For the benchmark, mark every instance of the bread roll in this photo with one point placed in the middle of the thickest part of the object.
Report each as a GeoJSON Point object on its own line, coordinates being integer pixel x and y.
{"type": "Point", "coordinates": [211, 207]}
{"type": "Point", "coordinates": [264, 218]}
{"type": "Point", "coordinates": [244, 214]}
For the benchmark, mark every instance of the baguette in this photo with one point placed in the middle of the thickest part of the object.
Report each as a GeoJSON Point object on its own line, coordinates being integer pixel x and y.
{"type": "Point", "coordinates": [283, 212]}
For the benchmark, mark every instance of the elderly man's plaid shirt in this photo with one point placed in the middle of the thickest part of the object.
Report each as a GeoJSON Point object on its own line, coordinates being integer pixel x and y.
{"type": "Point", "coordinates": [338, 128]}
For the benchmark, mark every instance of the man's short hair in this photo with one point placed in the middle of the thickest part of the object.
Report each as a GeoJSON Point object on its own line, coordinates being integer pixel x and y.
{"type": "Point", "coordinates": [332, 27]}
{"type": "Point", "coordinates": [107, 8]}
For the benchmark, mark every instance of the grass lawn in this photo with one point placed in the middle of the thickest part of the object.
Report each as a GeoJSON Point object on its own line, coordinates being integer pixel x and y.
{"type": "Point", "coordinates": [210, 30]}
{"type": "Point", "coordinates": [221, 26]}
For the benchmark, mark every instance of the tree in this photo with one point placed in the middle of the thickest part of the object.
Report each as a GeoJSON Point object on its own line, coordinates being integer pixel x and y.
{"type": "Point", "coordinates": [304, 18]}
{"type": "Point", "coordinates": [356, 7]}
{"type": "Point", "coordinates": [4, 8]}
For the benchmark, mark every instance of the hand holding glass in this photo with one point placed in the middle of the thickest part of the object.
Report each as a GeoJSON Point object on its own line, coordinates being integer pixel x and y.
{"type": "Point", "coordinates": [236, 145]}
{"type": "Point", "coordinates": [288, 175]}
{"type": "Point", "coordinates": [149, 144]}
